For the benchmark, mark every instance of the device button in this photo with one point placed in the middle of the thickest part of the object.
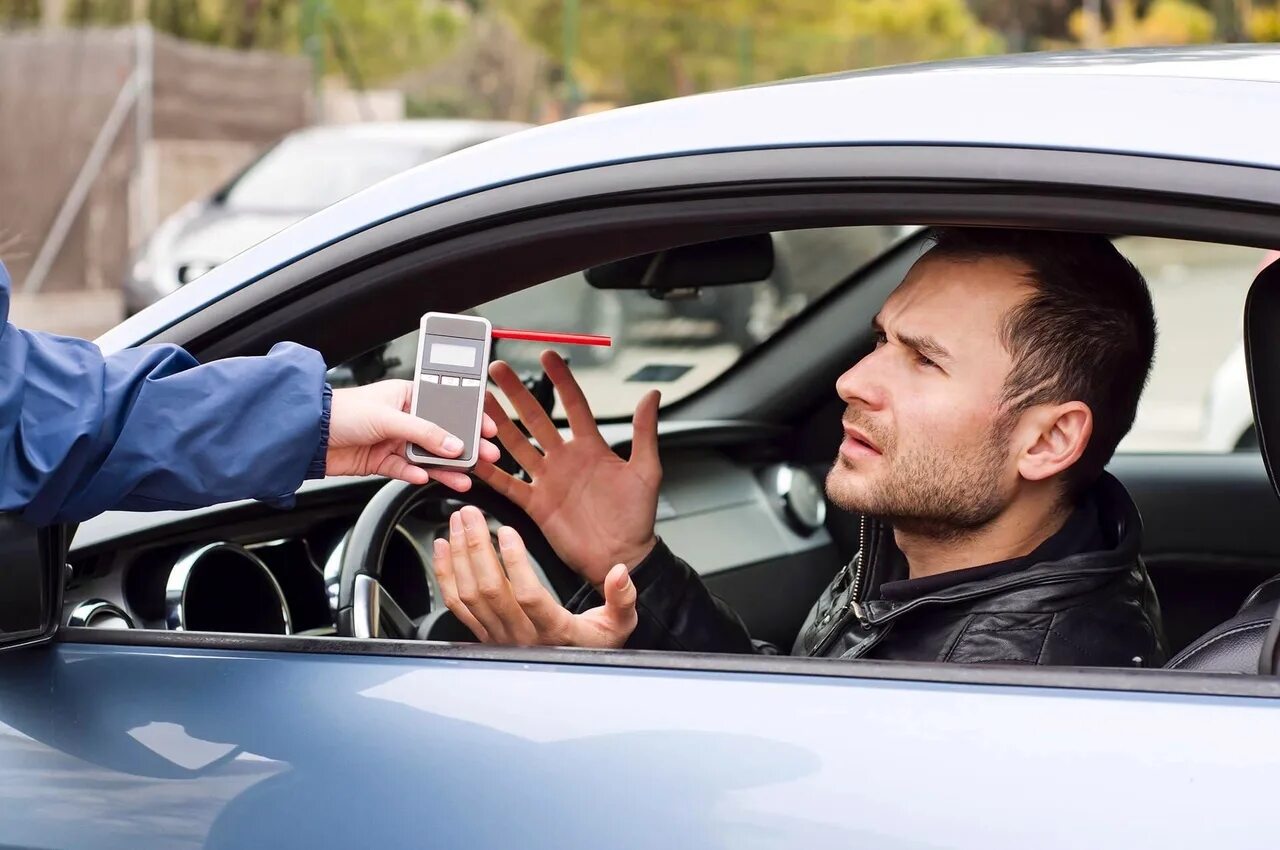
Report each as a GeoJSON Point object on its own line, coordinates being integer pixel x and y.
{"type": "Point", "coordinates": [470, 382]}
{"type": "Point", "coordinates": [431, 379]}
{"type": "Point", "coordinates": [449, 381]}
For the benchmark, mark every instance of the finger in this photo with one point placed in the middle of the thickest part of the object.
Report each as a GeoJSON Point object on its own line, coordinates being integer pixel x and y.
{"type": "Point", "coordinates": [492, 584]}
{"type": "Point", "coordinates": [465, 579]}
{"type": "Point", "coordinates": [581, 420]}
{"type": "Point", "coordinates": [442, 565]}
{"type": "Point", "coordinates": [459, 482]}
{"type": "Point", "coordinates": [531, 413]}
{"type": "Point", "coordinates": [549, 618]}
{"type": "Point", "coordinates": [396, 391]}
{"type": "Point", "coordinates": [516, 491]}
{"type": "Point", "coordinates": [512, 437]}
{"type": "Point", "coordinates": [644, 427]}
{"type": "Point", "coordinates": [399, 425]}
{"type": "Point", "coordinates": [489, 452]}
{"type": "Point", "coordinates": [393, 465]}
{"type": "Point", "coordinates": [620, 599]}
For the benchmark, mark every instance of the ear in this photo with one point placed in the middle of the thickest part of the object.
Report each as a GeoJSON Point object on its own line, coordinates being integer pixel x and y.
{"type": "Point", "coordinates": [1054, 436]}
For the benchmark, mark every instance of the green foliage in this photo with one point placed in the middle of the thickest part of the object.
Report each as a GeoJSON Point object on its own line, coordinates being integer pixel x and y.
{"type": "Point", "coordinates": [371, 39]}
{"type": "Point", "coordinates": [1263, 24]}
{"type": "Point", "coordinates": [636, 50]}
{"type": "Point", "coordinates": [1164, 22]}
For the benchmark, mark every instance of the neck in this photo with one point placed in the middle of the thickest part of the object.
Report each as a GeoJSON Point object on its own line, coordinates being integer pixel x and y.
{"type": "Point", "coordinates": [1014, 533]}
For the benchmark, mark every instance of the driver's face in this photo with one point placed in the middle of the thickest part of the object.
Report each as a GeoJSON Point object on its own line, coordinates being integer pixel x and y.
{"type": "Point", "coordinates": [925, 441]}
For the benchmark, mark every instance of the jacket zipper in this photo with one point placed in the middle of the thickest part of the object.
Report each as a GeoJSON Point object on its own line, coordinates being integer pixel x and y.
{"type": "Point", "coordinates": [856, 590]}
{"type": "Point", "coordinates": [852, 608]}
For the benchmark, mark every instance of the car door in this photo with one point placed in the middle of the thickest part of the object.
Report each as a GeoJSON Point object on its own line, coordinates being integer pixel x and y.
{"type": "Point", "coordinates": [140, 739]}
{"type": "Point", "coordinates": [256, 745]}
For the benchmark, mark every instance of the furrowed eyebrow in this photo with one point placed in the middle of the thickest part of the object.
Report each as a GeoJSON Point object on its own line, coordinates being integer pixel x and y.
{"type": "Point", "coordinates": [926, 345]}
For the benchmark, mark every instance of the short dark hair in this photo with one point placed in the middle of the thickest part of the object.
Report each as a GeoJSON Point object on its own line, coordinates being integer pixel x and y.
{"type": "Point", "coordinates": [1086, 333]}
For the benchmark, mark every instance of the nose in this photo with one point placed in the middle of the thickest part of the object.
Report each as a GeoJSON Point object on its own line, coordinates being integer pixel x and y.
{"type": "Point", "coordinates": [863, 384]}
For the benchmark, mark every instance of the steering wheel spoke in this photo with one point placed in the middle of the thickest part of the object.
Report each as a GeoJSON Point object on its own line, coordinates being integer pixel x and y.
{"type": "Point", "coordinates": [378, 615]}
{"type": "Point", "coordinates": [363, 608]}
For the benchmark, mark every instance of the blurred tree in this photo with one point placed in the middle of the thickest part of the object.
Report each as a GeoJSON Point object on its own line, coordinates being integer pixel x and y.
{"type": "Point", "coordinates": [378, 38]}
{"type": "Point", "coordinates": [637, 50]}
{"type": "Point", "coordinates": [1164, 22]}
{"type": "Point", "coordinates": [1027, 24]}
{"type": "Point", "coordinates": [1263, 24]}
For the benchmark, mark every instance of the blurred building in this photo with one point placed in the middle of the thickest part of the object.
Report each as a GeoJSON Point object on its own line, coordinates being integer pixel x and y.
{"type": "Point", "coordinates": [106, 131]}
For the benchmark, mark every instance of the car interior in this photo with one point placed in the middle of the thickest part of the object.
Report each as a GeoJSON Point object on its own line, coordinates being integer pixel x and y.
{"type": "Point", "coordinates": [750, 426]}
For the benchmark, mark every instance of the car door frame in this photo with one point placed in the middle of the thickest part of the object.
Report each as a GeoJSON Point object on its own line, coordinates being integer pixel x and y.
{"type": "Point", "coordinates": [658, 203]}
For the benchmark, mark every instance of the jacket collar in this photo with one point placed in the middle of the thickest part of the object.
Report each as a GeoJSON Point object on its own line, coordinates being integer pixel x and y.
{"type": "Point", "coordinates": [1121, 526]}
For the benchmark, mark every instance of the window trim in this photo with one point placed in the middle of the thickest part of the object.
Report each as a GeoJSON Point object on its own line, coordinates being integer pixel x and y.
{"type": "Point", "coordinates": [875, 184]}
{"type": "Point", "coordinates": [1057, 678]}
{"type": "Point", "coordinates": [739, 191]}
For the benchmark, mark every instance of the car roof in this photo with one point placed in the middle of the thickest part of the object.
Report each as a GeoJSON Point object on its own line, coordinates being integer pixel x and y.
{"type": "Point", "coordinates": [1198, 103]}
{"type": "Point", "coordinates": [437, 131]}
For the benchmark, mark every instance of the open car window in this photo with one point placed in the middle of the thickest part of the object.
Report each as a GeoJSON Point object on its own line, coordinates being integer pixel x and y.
{"type": "Point", "coordinates": [1197, 398]}
{"type": "Point", "coordinates": [678, 344]}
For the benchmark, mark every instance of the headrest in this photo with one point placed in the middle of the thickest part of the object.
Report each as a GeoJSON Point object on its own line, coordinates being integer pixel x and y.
{"type": "Point", "coordinates": [1262, 358]}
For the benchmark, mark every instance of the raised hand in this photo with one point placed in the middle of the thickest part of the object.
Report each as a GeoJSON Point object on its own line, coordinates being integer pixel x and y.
{"type": "Point", "coordinates": [503, 602]}
{"type": "Point", "coordinates": [595, 509]}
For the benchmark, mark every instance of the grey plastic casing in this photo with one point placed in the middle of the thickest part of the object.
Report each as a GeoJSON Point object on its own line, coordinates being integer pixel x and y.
{"type": "Point", "coordinates": [458, 409]}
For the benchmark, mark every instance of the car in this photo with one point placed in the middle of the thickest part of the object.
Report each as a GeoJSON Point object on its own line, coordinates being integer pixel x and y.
{"type": "Point", "coordinates": [214, 678]}
{"type": "Point", "coordinates": [304, 172]}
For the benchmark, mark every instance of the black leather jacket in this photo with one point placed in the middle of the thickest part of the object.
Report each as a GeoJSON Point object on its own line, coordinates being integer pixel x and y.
{"type": "Point", "coordinates": [1094, 608]}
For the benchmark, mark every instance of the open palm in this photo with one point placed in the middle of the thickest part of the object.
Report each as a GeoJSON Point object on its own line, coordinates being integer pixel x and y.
{"type": "Point", "coordinates": [595, 508]}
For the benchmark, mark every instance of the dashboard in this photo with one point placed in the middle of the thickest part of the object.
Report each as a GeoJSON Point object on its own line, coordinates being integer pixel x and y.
{"type": "Point", "coordinates": [752, 525]}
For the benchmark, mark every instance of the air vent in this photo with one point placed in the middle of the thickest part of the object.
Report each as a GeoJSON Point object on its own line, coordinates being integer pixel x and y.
{"type": "Point", "coordinates": [99, 614]}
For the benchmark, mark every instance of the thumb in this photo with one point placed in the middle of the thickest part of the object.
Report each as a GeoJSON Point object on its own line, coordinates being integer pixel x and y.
{"type": "Point", "coordinates": [644, 442]}
{"type": "Point", "coordinates": [620, 597]}
{"type": "Point", "coordinates": [397, 425]}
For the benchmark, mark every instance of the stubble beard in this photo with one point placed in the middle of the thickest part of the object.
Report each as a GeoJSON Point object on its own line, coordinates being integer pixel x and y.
{"type": "Point", "coordinates": [929, 493]}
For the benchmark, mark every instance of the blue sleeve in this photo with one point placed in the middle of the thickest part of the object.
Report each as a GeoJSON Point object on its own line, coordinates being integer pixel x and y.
{"type": "Point", "coordinates": [149, 428]}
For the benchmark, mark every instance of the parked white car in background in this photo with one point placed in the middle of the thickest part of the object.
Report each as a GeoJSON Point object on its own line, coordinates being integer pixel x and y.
{"type": "Point", "coordinates": [303, 173]}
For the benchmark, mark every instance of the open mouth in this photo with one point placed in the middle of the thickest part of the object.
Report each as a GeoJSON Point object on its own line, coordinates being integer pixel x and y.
{"type": "Point", "coordinates": [858, 443]}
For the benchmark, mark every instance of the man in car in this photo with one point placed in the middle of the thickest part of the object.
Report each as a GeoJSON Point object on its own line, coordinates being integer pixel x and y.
{"type": "Point", "coordinates": [1008, 365]}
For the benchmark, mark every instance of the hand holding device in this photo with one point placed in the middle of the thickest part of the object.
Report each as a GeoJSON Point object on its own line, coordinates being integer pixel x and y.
{"type": "Point", "coordinates": [368, 428]}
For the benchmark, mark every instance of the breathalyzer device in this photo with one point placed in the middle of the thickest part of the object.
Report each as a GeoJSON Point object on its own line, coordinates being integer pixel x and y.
{"type": "Point", "coordinates": [453, 367]}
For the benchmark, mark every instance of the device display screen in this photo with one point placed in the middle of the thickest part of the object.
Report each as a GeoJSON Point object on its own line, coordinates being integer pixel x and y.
{"type": "Point", "coordinates": [444, 354]}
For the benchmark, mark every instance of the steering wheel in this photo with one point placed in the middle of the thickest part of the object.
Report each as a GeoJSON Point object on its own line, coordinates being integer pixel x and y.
{"type": "Point", "coordinates": [366, 610]}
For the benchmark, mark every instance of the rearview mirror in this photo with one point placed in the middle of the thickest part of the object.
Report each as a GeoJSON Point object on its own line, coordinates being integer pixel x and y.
{"type": "Point", "coordinates": [740, 259]}
{"type": "Point", "coordinates": [31, 580]}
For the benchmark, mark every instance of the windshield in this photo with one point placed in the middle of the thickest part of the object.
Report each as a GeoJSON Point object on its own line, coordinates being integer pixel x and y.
{"type": "Point", "coordinates": [677, 345]}
{"type": "Point", "coordinates": [309, 174]}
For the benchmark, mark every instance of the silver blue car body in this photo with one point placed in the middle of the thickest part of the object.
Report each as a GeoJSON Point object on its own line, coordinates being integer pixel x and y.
{"type": "Point", "coordinates": [215, 742]}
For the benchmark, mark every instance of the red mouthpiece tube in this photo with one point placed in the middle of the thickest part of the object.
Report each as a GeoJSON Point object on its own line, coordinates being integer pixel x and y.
{"type": "Point", "coordinates": [548, 336]}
